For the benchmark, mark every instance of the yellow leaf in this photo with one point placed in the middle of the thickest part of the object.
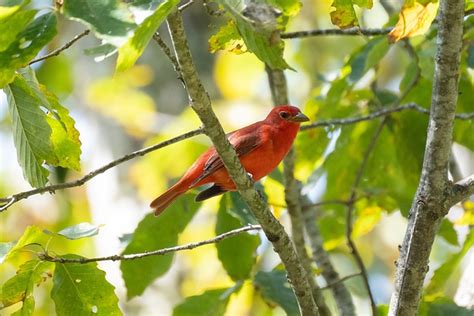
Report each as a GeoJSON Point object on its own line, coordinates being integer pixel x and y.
{"type": "Point", "coordinates": [366, 220]}
{"type": "Point", "coordinates": [414, 20]}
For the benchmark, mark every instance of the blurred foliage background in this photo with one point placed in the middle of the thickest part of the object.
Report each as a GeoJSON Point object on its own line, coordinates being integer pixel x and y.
{"type": "Point", "coordinates": [332, 77]}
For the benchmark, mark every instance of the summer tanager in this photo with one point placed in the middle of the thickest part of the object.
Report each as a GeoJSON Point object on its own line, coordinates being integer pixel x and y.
{"type": "Point", "coordinates": [260, 147]}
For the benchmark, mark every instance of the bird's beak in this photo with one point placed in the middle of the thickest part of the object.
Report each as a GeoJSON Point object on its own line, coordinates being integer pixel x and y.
{"type": "Point", "coordinates": [300, 117]}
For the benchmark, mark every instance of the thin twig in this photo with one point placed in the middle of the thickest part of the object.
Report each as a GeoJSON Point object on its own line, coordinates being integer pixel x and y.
{"type": "Point", "coordinates": [52, 188]}
{"type": "Point", "coordinates": [57, 51]}
{"type": "Point", "coordinates": [383, 112]}
{"type": "Point", "coordinates": [350, 211]}
{"type": "Point", "coordinates": [325, 32]}
{"type": "Point", "coordinates": [343, 279]}
{"type": "Point", "coordinates": [159, 252]}
{"type": "Point", "coordinates": [168, 54]}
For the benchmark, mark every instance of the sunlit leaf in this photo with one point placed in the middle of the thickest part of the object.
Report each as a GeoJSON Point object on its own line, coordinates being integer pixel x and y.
{"type": "Point", "coordinates": [344, 14]}
{"type": "Point", "coordinates": [27, 44]}
{"type": "Point", "coordinates": [436, 287]}
{"type": "Point", "coordinates": [261, 37]}
{"type": "Point", "coordinates": [134, 47]}
{"type": "Point", "coordinates": [110, 20]}
{"type": "Point", "coordinates": [367, 218]}
{"type": "Point", "coordinates": [12, 24]}
{"type": "Point", "coordinates": [81, 289]}
{"type": "Point", "coordinates": [20, 287]}
{"type": "Point", "coordinates": [275, 289]}
{"type": "Point", "coordinates": [155, 233]}
{"type": "Point", "coordinates": [31, 235]}
{"type": "Point", "coordinates": [228, 39]}
{"type": "Point", "coordinates": [64, 137]}
{"type": "Point", "coordinates": [81, 230]}
{"type": "Point", "coordinates": [31, 131]}
{"type": "Point", "coordinates": [212, 302]}
{"type": "Point", "coordinates": [414, 20]}
{"type": "Point", "coordinates": [237, 254]}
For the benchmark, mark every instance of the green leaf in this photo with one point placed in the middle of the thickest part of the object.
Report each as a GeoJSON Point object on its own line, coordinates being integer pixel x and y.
{"type": "Point", "coordinates": [64, 137]}
{"type": "Point", "coordinates": [133, 49]}
{"type": "Point", "coordinates": [276, 290]}
{"type": "Point", "coordinates": [13, 24]}
{"type": "Point", "coordinates": [31, 131]}
{"type": "Point", "coordinates": [447, 231]}
{"type": "Point", "coordinates": [27, 308]}
{"type": "Point", "coordinates": [237, 254]}
{"type": "Point", "coordinates": [261, 39]}
{"type": "Point", "coordinates": [78, 231]}
{"type": "Point", "coordinates": [367, 57]}
{"type": "Point", "coordinates": [239, 209]}
{"type": "Point", "coordinates": [155, 233]}
{"type": "Point", "coordinates": [210, 303]}
{"type": "Point", "coordinates": [442, 307]}
{"type": "Point", "coordinates": [441, 275]}
{"type": "Point", "coordinates": [470, 56]}
{"type": "Point", "coordinates": [27, 44]}
{"type": "Point", "coordinates": [344, 14]}
{"type": "Point", "coordinates": [81, 289]}
{"type": "Point", "coordinates": [110, 20]}
{"type": "Point", "coordinates": [227, 38]}
{"type": "Point", "coordinates": [31, 235]}
{"type": "Point", "coordinates": [20, 287]}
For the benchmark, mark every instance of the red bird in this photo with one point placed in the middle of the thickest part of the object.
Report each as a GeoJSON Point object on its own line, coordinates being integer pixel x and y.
{"type": "Point", "coordinates": [260, 147]}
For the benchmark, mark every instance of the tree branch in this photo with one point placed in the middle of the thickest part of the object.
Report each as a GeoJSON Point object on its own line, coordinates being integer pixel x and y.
{"type": "Point", "coordinates": [343, 279]}
{"type": "Point", "coordinates": [350, 211]}
{"type": "Point", "coordinates": [201, 104]}
{"type": "Point", "coordinates": [57, 51]}
{"type": "Point", "coordinates": [279, 90]}
{"type": "Point", "coordinates": [346, 32]}
{"type": "Point", "coordinates": [460, 190]}
{"type": "Point", "coordinates": [341, 294]}
{"type": "Point", "coordinates": [434, 190]}
{"type": "Point", "coordinates": [9, 201]}
{"type": "Point", "coordinates": [159, 252]}
{"type": "Point", "coordinates": [380, 113]}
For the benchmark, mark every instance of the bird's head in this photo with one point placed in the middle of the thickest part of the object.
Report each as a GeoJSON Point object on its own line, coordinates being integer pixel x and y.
{"type": "Point", "coordinates": [287, 113]}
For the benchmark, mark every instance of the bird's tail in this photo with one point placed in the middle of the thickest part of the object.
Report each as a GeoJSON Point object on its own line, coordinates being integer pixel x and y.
{"type": "Point", "coordinates": [163, 201]}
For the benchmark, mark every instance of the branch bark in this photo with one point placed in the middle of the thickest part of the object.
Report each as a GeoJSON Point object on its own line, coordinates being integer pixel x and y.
{"type": "Point", "coordinates": [201, 104]}
{"type": "Point", "coordinates": [430, 204]}
{"type": "Point", "coordinates": [341, 294]}
{"type": "Point", "coordinates": [159, 252]}
{"type": "Point", "coordinates": [279, 90]}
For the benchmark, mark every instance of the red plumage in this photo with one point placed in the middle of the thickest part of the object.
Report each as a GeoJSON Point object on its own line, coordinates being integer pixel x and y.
{"type": "Point", "coordinates": [260, 147]}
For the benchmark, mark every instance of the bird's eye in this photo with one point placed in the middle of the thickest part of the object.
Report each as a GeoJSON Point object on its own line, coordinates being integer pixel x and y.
{"type": "Point", "coordinates": [284, 115]}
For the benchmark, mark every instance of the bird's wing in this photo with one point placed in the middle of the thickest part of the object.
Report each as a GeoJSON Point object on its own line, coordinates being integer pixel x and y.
{"type": "Point", "coordinates": [244, 141]}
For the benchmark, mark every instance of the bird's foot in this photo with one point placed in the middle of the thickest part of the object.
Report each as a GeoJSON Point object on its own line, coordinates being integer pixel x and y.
{"type": "Point", "coordinates": [250, 176]}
